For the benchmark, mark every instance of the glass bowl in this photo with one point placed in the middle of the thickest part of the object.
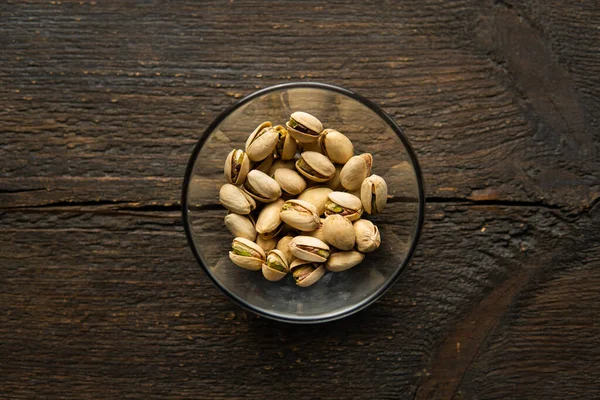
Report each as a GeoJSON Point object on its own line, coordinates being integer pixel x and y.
{"type": "Point", "coordinates": [337, 294]}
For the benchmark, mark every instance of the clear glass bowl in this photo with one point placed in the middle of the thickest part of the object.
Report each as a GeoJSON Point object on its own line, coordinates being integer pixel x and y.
{"type": "Point", "coordinates": [337, 294]}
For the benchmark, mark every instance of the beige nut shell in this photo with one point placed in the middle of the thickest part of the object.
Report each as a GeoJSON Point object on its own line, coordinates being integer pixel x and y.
{"type": "Point", "coordinates": [240, 225]}
{"type": "Point", "coordinates": [261, 143]}
{"type": "Point", "coordinates": [298, 248]}
{"type": "Point", "coordinates": [309, 121]}
{"type": "Point", "coordinates": [313, 277]}
{"type": "Point", "coordinates": [235, 172]}
{"type": "Point", "coordinates": [343, 260]}
{"type": "Point", "coordinates": [339, 232]}
{"type": "Point", "coordinates": [262, 187]}
{"type": "Point", "coordinates": [269, 220]}
{"type": "Point", "coordinates": [367, 235]}
{"type": "Point", "coordinates": [319, 163]}
{"type": "Point", "coordinates": [302, 215]}
{"type": "Point", "coordinates": [373, 188]}
{"type": "Point", "coordinates": [355, 171]}
{"type": "Point", "coordinates": [336, 146]}
{"type": "Point", "coordinates": [235, 200]}
{"type": "Point", "coordinates": [290, 181]}
{"type": "Point", "coordinates": [250, 263]}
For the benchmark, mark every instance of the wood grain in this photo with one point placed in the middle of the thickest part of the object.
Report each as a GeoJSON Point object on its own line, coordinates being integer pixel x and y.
{"type": "Point", "coordinates": [102, 102]}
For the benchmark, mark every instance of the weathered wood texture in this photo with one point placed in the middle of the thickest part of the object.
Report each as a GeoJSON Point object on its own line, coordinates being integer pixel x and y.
{"type": "Point", "coordinates": [101, 104]}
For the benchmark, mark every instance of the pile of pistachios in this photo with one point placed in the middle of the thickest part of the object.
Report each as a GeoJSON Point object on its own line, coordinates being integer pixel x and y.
{"type": "Point", "coordinates": [295, 197]}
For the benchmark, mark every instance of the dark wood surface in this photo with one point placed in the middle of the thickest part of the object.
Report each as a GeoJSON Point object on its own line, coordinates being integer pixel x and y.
{"type": "Point", "coordinates": [101, 103]}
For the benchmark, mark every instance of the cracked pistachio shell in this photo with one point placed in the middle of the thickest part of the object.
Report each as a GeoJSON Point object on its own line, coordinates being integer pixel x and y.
{"type": "Point", "coordinates": [338, 232]}
{"type": "Point", "coordinates": [236, 167]}
{"type": "Point", "coordinates": [344, 204]}
{"type": "Point", "coordinates": [246, 254]}
{"type": "Point", "coordinates": [261, 142]}
{"type": "Point", "coordinates": [315, 166]}
{"type": "Point", "coordinates": [373, 194]}
{"type": "Point", "coordinates": [309, 248]}
{"type": "Point", "coordinates": [262, 187]}
{"type": "Point", "coordinates": [276, 266]}
{"type": "Point", "coordinates": [317, 196]}
{"type": "Point", "coordinates": [355, 171]}
{"type": "Point", "coordinates": [267, 244]}
{"type": "Point", "coordinates": [335, 183]}
{"type": "Point", "coordinates": [279, 164]}
{"type": "Point", "coordinates": [318, 233]}
{"type": "Point", "coordinates": [283, 245]}
{"type": "Point", "coordinates": [306, 273]}
{"type": "Point", "coordinates": [240, 225]}
{"type": "Point", "coordinates": [336, 146]}
{"type": "Point", "coordinates": [304, 127]}
{"type": "Point", "coordinates": [290, 181]}
{"type": "Point", "coordinates": [269, 223]}
{"type": "Point", "coordinates": [300, 215]}
{"type": "Point", "coordinates": [343, 260]}
{"type": "Point", "coordinates": [367, 236]}
{"type": "Point", "coordinates": [264, 165]}
{"type": "Point", "coordinates": [235, 200]}
{"type": "Point", "coordinates": [286, 146]}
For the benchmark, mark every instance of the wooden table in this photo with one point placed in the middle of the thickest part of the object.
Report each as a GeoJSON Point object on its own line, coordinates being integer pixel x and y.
{"type": "Point", "coordinates": [101, 103]}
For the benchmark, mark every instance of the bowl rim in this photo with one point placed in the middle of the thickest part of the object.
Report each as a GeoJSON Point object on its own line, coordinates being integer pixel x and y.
{"type": "Point", "coordinates": [344, 312]}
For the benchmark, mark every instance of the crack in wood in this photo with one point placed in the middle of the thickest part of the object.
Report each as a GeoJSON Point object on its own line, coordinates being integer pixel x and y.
{"type": "Point", "coordinates": [69, 204]}
{"type": "Point", "coordinates": [152, 208]}
{"type": "Point", "coordinates": [15, 191]}
{"type": "Point", "coordinates": [504, 203]}
{"type": "Point", "coordinates": [124, 205]}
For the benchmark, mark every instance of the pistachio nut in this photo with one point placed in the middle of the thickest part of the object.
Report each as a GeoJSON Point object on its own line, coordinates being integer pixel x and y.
{"type": "Point", "coordinates": [318, 233]}
{"type": "Point", "coordinates": [240, 225]}
{"type": "Point", "coordinates": [304, 127]}
{"type": "Point", "coordinates": [276, 266]}
{"type": "Point", "coordinates": [246, 254]}
{"type": "Point", "coordinates": [236, 167]}
{"type": "Point", "coordinates": [373, 194]}
{"type": "Point", "coordinates": [306, 273]}
{"type": "Point", "coordinates": [235, 200]}
{"type": "Point", "coordinates": [290, 181]}
{"type": "Point", "coordinates": [338, 232]}
{"type": "Point", "coordinates": [262, 187]}
{"type": "Point", "coordinates": [355, 171]}
{"type": "Point", "coordinates": [315, 166]}
{"type": "Point", "coordinates": [317, 196]}
{"type": "Point", "coordinates": [269, 223]}
{"type": "Point", "coordinates": [309, 248]}
{"type": "Point", "coordinates": [345, 204]}
{"type": "Point", "coordinates": [280, 164]}
{"type": "Point", "coordinates": [283, 245]}
{"type": "Point", "coordinates": [300, 215]}
{"type": "Point", "coordinates": [335, 183]}
{"type": "Point", "coordinates": [343, 260]}
{"type": "Point", "coordinates": [367, 236]}
{"type": "Point", "coordinates": [286, 146]}
{"type": "Point", "coordinates": [336, 146]}
{"type": "Point", "coordinates": [261, 142]}
{"type": "Point", "coordinates": [267, 244]}
{"type": "Point", "coordinates": [264, 165]}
